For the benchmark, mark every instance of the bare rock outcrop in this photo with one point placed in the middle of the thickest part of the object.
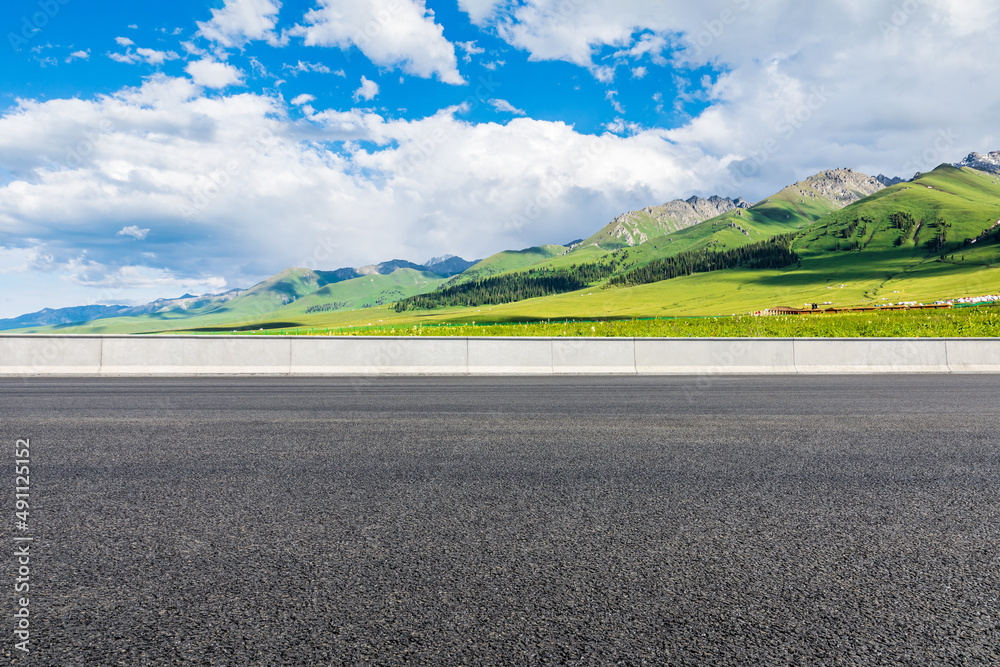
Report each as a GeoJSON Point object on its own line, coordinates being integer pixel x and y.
{"type": "Point", "coordinates": [989, 162]}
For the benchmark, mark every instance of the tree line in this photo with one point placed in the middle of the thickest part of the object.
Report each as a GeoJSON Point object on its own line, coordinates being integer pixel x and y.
{"type": "Point", "coordinates": [905, 223]}
{"type": "Point", "coordinates": [511, 287]}
{"type": "Point", "coordinates": [774, 253]}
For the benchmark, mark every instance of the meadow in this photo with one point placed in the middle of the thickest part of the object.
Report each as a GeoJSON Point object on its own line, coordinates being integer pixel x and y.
{"type": "Point", "coordinates": [967, 322]}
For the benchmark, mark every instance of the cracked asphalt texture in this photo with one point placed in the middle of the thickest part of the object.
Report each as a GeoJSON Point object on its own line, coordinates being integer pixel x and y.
{"type": "Point", "coordinates": [510, 521]}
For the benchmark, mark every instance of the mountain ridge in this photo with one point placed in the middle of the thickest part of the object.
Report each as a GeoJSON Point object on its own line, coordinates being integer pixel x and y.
{"type": "Point", "coordinates": [795, 207]}
{"type": "Point", "coordinates": [989, 163]}
{"type": "Point", "coordinates": [270, 294]}
{"type": "Point", "coordinates": [637, 227]}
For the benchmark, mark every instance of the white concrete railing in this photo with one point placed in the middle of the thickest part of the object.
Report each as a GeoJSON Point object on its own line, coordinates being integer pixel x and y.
{"type": "Point", "coordinates": [319, 355]}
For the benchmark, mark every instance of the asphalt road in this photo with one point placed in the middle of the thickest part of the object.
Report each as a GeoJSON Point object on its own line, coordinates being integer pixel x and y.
{"type": "Point", "coordinates": [468, 521]}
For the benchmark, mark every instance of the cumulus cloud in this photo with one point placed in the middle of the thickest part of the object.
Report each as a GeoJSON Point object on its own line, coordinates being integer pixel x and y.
{"type": "Point", "coordinates": [124, 41]}
{"type": "Point", "coordinates": [391, 33]}
{"type": "Point", "coordinates": [470, 50]}
{"type": "Point", "coordinates": [150, 56]}
{"type": "Point", "coordinates": [78, 55]}
{"type": "Point", "coordinates": [793, 89]}
{"type": "Point", "coordinates": [140, 277]}
{"type": "Point", "coordinates": [154, 57]}
{"type": "Point", "coordinates": [213, 74]}
{"type": "Point", "coordinates": [504, 106]}
{"type": "Point", "coordinates": [304, 98]}
{"type": "Point", "coordinates": [242, 21]}
{"type": "Point", "coordinates": [134, 231]}
{"type": "Point", "coordinates": [789, 94]}
{"type": "Point", "coordinates": [479, 11]}
{"type": "Point", "coordinates": [367, 91]}
{"type": "Point", "coordinates": [215, 174]}
{"type": "Point", "coordinates": [649, 44]}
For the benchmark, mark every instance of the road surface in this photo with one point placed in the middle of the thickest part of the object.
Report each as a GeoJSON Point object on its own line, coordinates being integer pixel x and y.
{"type": "Point", "coordinates": [483, 521]}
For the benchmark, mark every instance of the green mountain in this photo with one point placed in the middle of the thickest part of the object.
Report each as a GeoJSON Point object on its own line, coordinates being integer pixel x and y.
{"type": "Point", "coordinates": [791, 209]}
{"type": "Point", "coordinates": [277, 291]}
{"type": "Point", "coordinates": [364, 292]}
{"type": "Point", "coordinates": [245, 307]}
{"type": "Point", "coordinates": [637, 227]}
{"type": "Point", "coordinates": [838, 237]}
{"type": "Point", "coordinates": [821, 233]}
{"type": "Point", "coordinates": [508, 260]}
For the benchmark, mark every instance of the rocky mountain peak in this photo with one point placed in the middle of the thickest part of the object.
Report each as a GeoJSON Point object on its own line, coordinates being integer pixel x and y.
{"type": "Point", "coordinates": [715, 202]}
{"type": "Point", "coordinates": [635, 227]}
{"type": "Point", "coordinates": [842, 186]}
{"type": "Point", "coordinates": [989, 162]}
{"type": "Point", "coordinates": [889, 182]}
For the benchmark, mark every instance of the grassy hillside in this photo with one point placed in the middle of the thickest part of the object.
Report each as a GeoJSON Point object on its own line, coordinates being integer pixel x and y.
{"type": "Point", "coordinates": [276, 292]}
{"type": "Point", "coordinates": [508, 260]}
{"type": "Point", "coordinates": [364, 292]}
{"type": "Point", "coordinates": [937, 237]}
{"type": "Point", "coordinates": [912, 238]}
{"type": "Point", "coordinates": [638, 227]}
{"type": "Point", "coordinates": [949, 208]}
{"type": "Point", "coordinates": [280, 300]}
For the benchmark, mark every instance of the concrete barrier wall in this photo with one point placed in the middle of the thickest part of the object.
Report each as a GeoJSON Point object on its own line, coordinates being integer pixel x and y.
{"type": "Point", "coordinates": [179, 354]}
{"type": "Point", "coordinates": [968, 355]}
{"type": "Point", "coordinates": [510, 356]}
{"type": "Point", "coordinates": [22, 355]}
{"type": "Point", "coordinates": [58, 355]}
{"type": "Point", "coordinates": [714, 355]}
{"type": "Point", "coordinates": [875, 355]}
{"type": "Point", "coordinates": [316, 355]}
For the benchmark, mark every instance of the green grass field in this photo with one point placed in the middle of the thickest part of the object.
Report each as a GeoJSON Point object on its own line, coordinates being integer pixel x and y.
{"type": "Point", "coordinates": [978, 321]}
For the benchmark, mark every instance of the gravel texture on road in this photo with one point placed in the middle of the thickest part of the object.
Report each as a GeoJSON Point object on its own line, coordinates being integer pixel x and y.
{"type": "Point", "coordinates": [510, 521]}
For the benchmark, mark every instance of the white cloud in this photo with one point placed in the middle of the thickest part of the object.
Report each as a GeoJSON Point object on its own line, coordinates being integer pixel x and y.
{"type": "Point", "coordinates": [301, 67]}
{"type": "Point", "coordinates": [213, 74]}
{"type": "Point", "coordinates": [78, 55]}
{"type": "Point", "coordinates": [133, 26]}
{"type": "Point", "coordinates": [479, 11]}
{"type": "Point", "coordinates": [242, 21]}
{"type": "Point", "coordinates": [124, 41]}
{"type": "Point", "coordinates": [133, 277]}
{"type": "Point", "coordinates": [612, 96]}
{"type": "Point", "coordinates": [639, 72]}
{"type": "Point", "coordinates": [193, 49]}
{"type": "Point", "coordinates": [367, 91]}
{"type": "Point", "coordinates": [150, 56]}
{"type": "Point", "coordinates": [775, 59]}
{"type": "Point", "coordinates": [349, 187]}
{"type": "Point", "coordinates": [504, 106]}
{"type": "Point", "coordinates": [391, 33]}
{"type": "Point", "coordinates": [134, 231]}
{"type": "Point", "coordinates": [154, 57]}
{"type": "Point", "coordinates": [23, 259]}
{"type": "Point", "coordinates": [604, 74]}
{"type": "Point", "coordinates": [649, 44]}
{"type": "Point", "coordinates": [258, 68]}
{"type": "Point", "coordinates": [304, 98]}
{"type": "Point", "coordinates": [790, 95]}
{"type": "Point", "coordinates": [470, 50]}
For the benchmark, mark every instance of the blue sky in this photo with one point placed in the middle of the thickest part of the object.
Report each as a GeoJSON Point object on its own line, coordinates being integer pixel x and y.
{"type": "Point", "coordinates": [45, 67]}
{"type": "Point", "coordinates": [148, 150]}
